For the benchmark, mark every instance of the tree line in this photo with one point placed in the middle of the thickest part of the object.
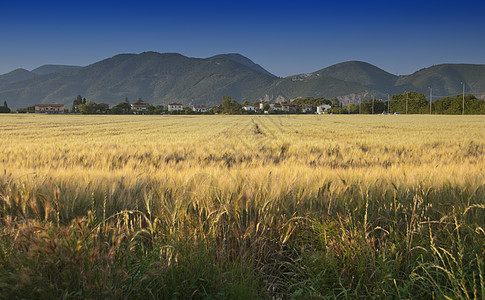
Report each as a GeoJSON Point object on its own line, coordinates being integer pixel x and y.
{"type": "Point", "coordinates": [4, 108]}
{"type": "Point", "coordinates": [405, 103]}
{"type": "Point", "coordinates": [416, 103]}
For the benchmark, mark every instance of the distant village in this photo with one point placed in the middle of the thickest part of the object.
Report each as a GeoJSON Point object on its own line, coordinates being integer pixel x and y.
{"type": "Point", "coordinates": [140, 107]}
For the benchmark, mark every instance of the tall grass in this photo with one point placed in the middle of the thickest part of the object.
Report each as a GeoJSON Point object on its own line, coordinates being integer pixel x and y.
{"type": "Point", "coordinates": [242, 207]}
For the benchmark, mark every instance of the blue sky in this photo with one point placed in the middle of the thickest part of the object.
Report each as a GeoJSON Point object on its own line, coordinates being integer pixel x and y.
{"type": "Point", "coordinates": [283, 37]}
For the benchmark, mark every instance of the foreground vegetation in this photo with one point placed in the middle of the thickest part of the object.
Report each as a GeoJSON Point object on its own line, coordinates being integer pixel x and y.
{"type": "Point", "coordinates": [246, 207]}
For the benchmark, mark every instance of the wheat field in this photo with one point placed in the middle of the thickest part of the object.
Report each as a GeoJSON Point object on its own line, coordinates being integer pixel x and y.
{"type": "Point", "coordinates": [228, 207]}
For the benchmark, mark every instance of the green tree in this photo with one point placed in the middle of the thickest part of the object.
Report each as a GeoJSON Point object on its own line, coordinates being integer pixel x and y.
{"type": "Point", "coordinates": [188, 111]}
{"type": "Point", "coordinates": [4, 108]}
{"type": "Point", "coordinates": [121, 108]}
{"type": "Point", "coordinates": [155, 110]}
{"type": "Point", "coordinates": [150, 109]}
{"type": "Point", "coordinates": [310, 101]}
{"type": "Point", "coordinates": [28, 109]}
{"type": "Point", "coordinates": [88, 108]}
{"type": "Point", "coordinates": [230, 106]}
{"type": "Point", "coordinates": [116, 111]}
{"type": "Point", "coordinates": [454, 105]}
{"type": "Point", "coordinates": [416, 103]}
{"type": "Point", "coordinates": [334, 102]}
{"type": "Point", "coordinates": [75, 104]}
{"type": "Point", "coordinates": [375, 106]}
{"type": "Point", "coordinates": [351, 108]}
{"type": "Point", "coordinates": [101, 108]}
{"type": "Point", "coordinates": [473, 106]}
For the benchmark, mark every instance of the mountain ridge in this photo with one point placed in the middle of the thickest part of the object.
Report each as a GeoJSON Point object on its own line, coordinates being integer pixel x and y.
{"type": "Point", "coordinates": [245, 61]}
{"type": "Point", "coordinates": [49, 69]}
{"type": "Point", "coordinates": [161, 78]}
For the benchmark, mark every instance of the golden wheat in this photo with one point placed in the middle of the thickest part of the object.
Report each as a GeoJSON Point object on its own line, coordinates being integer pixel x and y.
{"type": "Point", "coordinates": [352, 191]}
{"type": "Point", "coordinates": [135, 162]}
{"type": "Point", "coordinates": [289, 148]}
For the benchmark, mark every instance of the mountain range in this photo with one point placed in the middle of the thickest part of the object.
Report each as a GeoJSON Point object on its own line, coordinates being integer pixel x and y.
{"type": "Point", "coordinates": [169, 77]}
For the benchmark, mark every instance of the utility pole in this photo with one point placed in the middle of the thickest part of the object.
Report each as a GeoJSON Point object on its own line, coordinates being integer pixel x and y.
{"type": "Point", "coordinates": [430, 98]}
{"type": "Point", "coordinates": [372, 105]}
{"type": "Point", "coordinates": [463, 84]}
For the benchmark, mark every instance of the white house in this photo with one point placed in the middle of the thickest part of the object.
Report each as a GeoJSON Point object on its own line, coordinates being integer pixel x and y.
{"type": "Point", "coordinates": [175, 106]}
{"type": "Point", "coordinates": [199, 108]}
{"type": "Point", "coordinates": [139, 106]}
{"type": "Point", "coordinates": [49, 108]}
{"type": "Point", "coordinates": [321, 109]}
{"type": "Point", "coordinates": [249, 108]}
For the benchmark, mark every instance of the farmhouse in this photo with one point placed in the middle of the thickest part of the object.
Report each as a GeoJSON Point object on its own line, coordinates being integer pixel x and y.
{"type": "Point", "coordinates": [249, 108]}
{"type": "Point", "coordinates": [199, 108]}
{"type": "Point", "coordinates": [321, 109]}
{"type": "Point", "coordinates": [139, 106]}
{"type": "Point", "coordinates": [175, 106]}
{"type": "Point", "coordinates": [291, 108]}
{"type": "Point", "coordinates": [49, 108]}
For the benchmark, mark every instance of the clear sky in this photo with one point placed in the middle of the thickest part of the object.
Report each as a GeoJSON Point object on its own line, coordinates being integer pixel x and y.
{"type": "Point", "coordinates": [284, 37]}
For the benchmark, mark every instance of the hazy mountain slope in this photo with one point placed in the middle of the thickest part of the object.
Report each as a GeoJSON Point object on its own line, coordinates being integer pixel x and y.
{"type": "Point", "coordinates": [361, 73]}
{"type": "Point", "coordinates": [313, 85]}
{"type": "Point", "coordinates": [49, 69]}
{"type": "Point", "coordinates": [22, 74]}
{"type": "Point", "coordinates": [16, 75]}
{"type": "Point", "coordinates": [446, 79]}
{"type": "Point", "coordinates": [164, 78]}
{"type": "Point", "coordinates": [170, 77]}
{"type": "Point", "coordinates": [244, 61]}
{"type": "Point", "coordinates": [340, 80]}
{"type": "Point", "coordinates": [156, 78]}
{"type": "Point", "coordinates": [352, 81]}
